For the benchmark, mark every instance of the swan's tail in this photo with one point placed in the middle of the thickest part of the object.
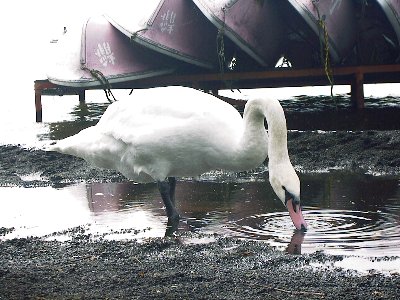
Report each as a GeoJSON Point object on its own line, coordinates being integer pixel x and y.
{"type": "Point", "coordinates": [93, 146]}
{"type": "Point", "coordinates": [77, 145]}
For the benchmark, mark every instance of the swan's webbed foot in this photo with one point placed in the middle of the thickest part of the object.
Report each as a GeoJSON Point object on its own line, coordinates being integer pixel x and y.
{"type": "Point", "coordinates": [167, 191]}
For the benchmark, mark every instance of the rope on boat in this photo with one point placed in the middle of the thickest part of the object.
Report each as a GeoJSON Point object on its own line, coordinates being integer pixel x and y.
{"type": "Point", "coordinates": [103, 81]}
{"type": "Point", "coordinates": [327, 64]}
{"type": "Point", "coordinates": [221, 51]}
{"type": "Point", "coordinates": [221, 45]}
{"type": "Point", "coordinates": [325, 57]}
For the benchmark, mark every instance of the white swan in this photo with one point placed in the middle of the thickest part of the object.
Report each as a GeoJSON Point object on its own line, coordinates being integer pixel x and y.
{"type": "Point", "coordinates": [161, 133]}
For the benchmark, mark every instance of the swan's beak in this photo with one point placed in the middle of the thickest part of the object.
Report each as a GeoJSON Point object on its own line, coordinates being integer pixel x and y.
{"type": "Point", "coordinates": [296, 215]}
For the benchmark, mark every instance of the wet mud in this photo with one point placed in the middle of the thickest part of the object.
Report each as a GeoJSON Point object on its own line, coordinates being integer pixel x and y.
{"type": "Point", "coordinates": [168, 268]}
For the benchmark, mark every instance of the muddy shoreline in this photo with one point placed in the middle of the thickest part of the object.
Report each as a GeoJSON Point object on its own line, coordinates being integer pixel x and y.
{"type": "Point", "coordinates": [88, 268]}
{"type": "Point", "coordinates": [166, 269]}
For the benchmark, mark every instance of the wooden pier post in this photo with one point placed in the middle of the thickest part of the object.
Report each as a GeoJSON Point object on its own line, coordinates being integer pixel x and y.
{"type": "Point", "coordinates": [81, 97]}
{"type": "Point", "coordinates": [357, 90]}
{"type": "Point", "coordinates": [38, 106]}
{"type": "Point", "coordinates": [38, 101]}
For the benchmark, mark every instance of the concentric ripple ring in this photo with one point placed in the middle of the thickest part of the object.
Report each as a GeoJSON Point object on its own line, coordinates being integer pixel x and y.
{"type": "Point", "coordinates": [336, 231]}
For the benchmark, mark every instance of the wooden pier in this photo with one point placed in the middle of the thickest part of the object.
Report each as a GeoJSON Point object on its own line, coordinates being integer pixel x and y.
{"type": "Point", "coordinates": [355, 76]}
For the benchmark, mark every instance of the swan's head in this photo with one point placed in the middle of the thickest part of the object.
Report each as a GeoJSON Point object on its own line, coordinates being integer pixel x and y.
{"type": "Point", "coordinates": [286, 184]}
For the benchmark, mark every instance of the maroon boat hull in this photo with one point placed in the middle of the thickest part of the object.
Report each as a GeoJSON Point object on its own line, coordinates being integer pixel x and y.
{"type": "Point", "coordinates": [391, 9]}
{"type": "Point", "coordinates": [176, 29]}
{"type": "Point", "coordinates": [105, 53]}
{"type": "Point", "coordinates": [317, 26]}
{"type": "Point", "coordinates": [179, 29]}
{"type": "Point", "coordinates": [252, 25]}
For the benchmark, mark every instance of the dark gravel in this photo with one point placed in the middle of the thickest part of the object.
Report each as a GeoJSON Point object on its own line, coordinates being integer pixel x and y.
{"type": "Point", "coordinates": [167, 269]}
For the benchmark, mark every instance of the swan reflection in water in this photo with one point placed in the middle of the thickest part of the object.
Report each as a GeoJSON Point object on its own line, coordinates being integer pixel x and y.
{"type": "Point", "coordinates": [294, 247]}
{"type": "Point", "coordinates": [209, 207]}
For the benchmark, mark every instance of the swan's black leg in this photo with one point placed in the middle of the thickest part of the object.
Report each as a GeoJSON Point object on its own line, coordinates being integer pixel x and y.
{"type": "Point", "coordinates": [167, 191]}
{"type": "Point", "coordinates": [172, 184]}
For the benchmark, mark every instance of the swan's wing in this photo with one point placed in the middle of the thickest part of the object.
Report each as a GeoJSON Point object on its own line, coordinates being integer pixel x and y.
{"type": "Point", "coordinates": [172, 131]}
{"type": "Point", "coordinates": [172, 112]}
{"type": "Point", "coordinates": [160, 132]}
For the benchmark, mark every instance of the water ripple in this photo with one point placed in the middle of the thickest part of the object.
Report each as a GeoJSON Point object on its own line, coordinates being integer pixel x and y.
{"type": "Point", "coordinates": [335, 231]}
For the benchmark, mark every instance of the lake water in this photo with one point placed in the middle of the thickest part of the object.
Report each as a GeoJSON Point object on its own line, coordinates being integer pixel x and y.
{"type": "Point", "coordinates": [346, 213]}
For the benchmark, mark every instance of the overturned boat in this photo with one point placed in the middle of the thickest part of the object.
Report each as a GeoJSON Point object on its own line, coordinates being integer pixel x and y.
{"type": "Point", "coordinates": [318, 30]}
{"type": "Point", "coordinates": [175, 28]}
{"type": "Point", "coordinates": [378, 32]}
{"type": "Point", "coordinates": [254, 26]}
{"type": "Point", "coordinates": [98, 54]}
{"type": "Point", "coordinates": [391, 9]}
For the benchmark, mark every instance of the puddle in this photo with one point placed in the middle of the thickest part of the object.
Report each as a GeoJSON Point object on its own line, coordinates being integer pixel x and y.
{"type": "Point", "coordinates": [356, 215]}
{"type": "Point", "coordinates": [99, 209]}
{"type": "Point", "coordinates": [334, 231]}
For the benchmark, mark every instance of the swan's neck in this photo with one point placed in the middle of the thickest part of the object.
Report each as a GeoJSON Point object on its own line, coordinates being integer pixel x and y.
{"type": "Point", "coordinates": [275, 142]}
